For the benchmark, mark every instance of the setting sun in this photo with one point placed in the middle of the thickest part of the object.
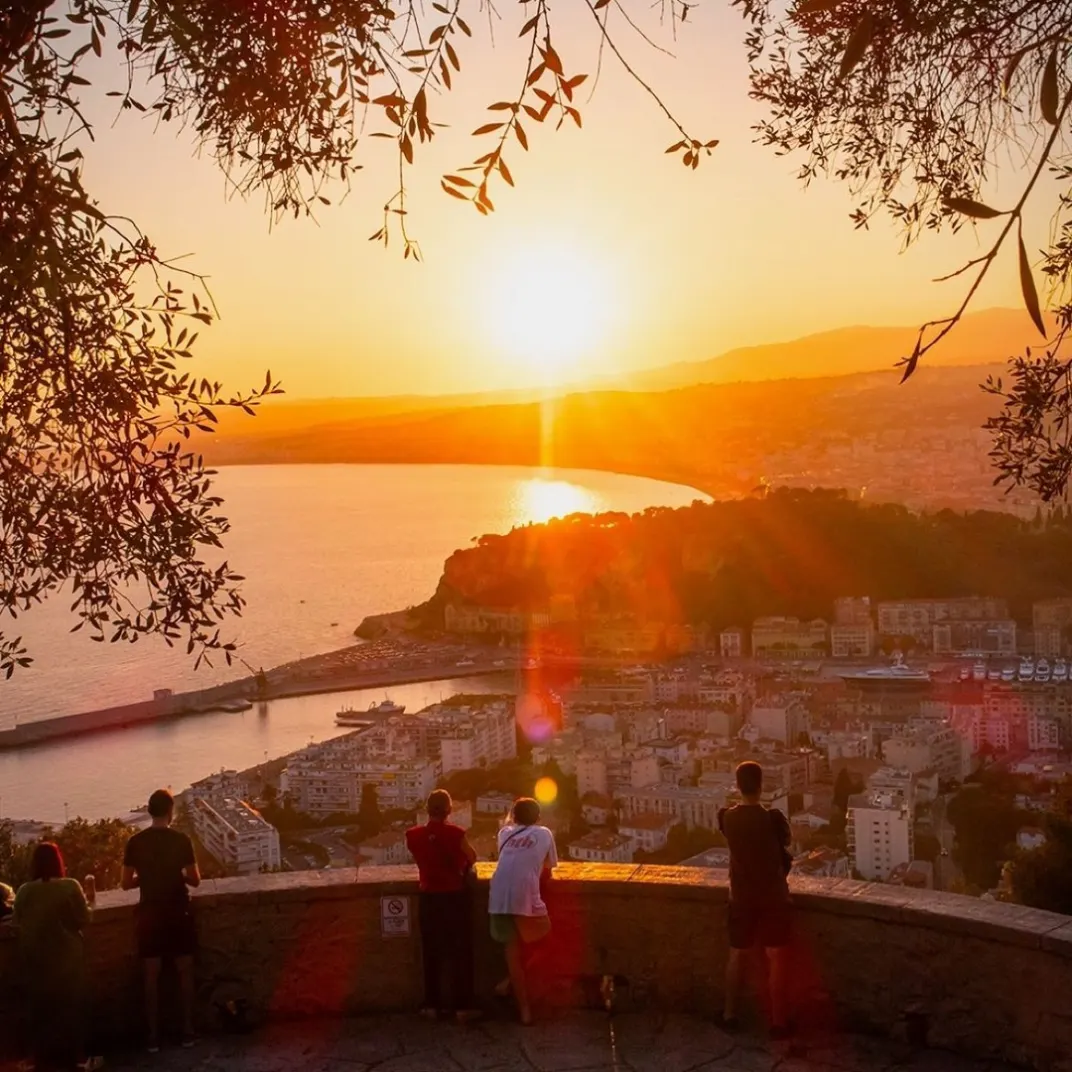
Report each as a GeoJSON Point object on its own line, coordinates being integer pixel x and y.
{"type": "Point", "coordinates": [551, 309]}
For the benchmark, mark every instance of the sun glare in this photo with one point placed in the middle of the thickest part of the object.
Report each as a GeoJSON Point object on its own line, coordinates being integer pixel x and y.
{"type": "Point", "coordinates": [540, 500]}
{"type": "Point", "coordinates": [550, 309]}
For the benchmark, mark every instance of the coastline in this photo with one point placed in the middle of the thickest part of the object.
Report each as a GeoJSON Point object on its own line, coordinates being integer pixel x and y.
{"type": "Point", "coordinates": [323, 673]}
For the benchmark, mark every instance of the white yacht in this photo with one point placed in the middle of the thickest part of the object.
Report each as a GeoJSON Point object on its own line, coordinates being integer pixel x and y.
{"type": "Point", "coordinates": [1027, 670]}
{"type": "Point", "coordinates": [979, 672]}
{"type": "Point", "coordinates": [1008, 674]}
{"type": "Point", "coordinates": [993, 674]}
{"type": "Point", "coordinates": [1042, 671]}
{"type": "Point", "coordinates": [965, 673]}
{"type": "Point", "coordinates": [1060, 670]}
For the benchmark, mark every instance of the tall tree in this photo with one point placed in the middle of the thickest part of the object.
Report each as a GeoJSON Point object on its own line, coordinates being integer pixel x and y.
{"type": "Point", "coordinates": [369, 817]}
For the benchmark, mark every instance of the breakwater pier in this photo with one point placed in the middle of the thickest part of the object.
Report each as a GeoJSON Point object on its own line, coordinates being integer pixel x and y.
{"type": "Point", "coordinates": [381, 664]}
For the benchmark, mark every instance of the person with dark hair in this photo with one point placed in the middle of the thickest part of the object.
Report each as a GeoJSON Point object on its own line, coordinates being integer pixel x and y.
{"type": "Point", "coordinates": [518, 913]}
{"type": "Point", "coordinates": [160, 863]}
{"type": "Point", "coordinates": [49, 914]}
{"type": "Point", "coordinates": [759, 910]}
{"type": "Point", "coordinates": [445, 905]}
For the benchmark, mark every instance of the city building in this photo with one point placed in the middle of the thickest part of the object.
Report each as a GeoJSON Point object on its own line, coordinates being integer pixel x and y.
{"type": "Point", "coordinates": [823, 862]}
{"type": "Point", "coordinates": [325, 786]}
{"type": "Point", "coordinates": [465, 738]}
{"type": "Point", "coordinates": [852, 641]}
{"type": "Point", "coordinates": [1051, 620]}
{"type": "Point", "coordinates": [603, 847]}
{"type": "Point", "coordinates": [788, 637]}
{"type": "Point", "coordinates": [591, 770]}
{"type": "Point", "coordinates": [852, 610]}
{"type": "Point", "coordinates": [384, 849]}
{"type": "Point", "coordinates": [648, 830]}
{"type": "Point", "coordinates": [880, 834]}
{"type": "Point", "coordinates": [596, 809]}
{"type": "Point", "coordinates": [916, 618]}
{"type": "Point", "coordinates": [692, 805]}
{"type": "Point", "coordinates": [494, 804]}
{"type": "Point", "coordinates": [235, 835]}
{"type": "Point", "coordinates": [779, 718]}
{"type": "Point", "coordinates": [942, 749]}
{"type": "Point", "coordinates": [731, 643]}
{"type": "Point", "coordinates": [968, 637]}
{"type": "Point", "coordinates": [488, 621]}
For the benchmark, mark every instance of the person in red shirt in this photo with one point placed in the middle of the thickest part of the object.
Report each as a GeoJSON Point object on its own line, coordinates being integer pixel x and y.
{"type": "Point", "coordinates": [444, 859]}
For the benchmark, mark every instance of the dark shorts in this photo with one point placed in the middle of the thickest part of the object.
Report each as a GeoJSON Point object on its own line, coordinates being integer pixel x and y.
{"type": "Point", "coordinates": [166, 932]}
{"type": "Point", "coordinates": [767, 926]}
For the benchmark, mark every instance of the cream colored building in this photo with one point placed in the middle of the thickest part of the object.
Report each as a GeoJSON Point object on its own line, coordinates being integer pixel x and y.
{"type": "Point", "coordinates": [788, 636]}
{"type": "Point", "coordinates": [236, 835]}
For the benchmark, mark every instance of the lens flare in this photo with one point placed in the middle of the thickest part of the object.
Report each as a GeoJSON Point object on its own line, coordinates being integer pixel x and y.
{"type": "Point", "coordinates": [546, 791]}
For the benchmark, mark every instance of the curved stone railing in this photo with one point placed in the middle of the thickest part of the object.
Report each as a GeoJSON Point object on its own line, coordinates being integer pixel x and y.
{"type": "Point", "coordinates": [984, 979]}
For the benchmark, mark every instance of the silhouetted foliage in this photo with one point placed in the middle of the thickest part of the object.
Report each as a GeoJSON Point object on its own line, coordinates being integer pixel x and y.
{"type": "Point", "coordinates": [1042, 877]}
{"type": "Point", "coordinates": [986, 821]}
{"type": "Point", "coordinates": [725, 563]}
{"type": "Point", "coordinates": [368, 816]}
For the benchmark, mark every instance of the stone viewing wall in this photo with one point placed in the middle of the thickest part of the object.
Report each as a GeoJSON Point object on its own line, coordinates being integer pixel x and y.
{"type": "Point", "coordinates": [980, 978]}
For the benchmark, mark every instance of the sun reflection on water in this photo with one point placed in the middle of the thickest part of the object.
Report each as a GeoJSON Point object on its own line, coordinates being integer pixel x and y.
{"type": "Point", "coordinates": [538, 500]}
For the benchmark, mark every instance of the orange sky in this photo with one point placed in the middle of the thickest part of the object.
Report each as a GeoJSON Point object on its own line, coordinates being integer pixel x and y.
{"type": "Point", "coordinates": [683, 264]}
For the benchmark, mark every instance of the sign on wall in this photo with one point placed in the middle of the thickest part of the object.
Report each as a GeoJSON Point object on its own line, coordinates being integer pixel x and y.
{"type": "Point", "coordinates": [394, 916]}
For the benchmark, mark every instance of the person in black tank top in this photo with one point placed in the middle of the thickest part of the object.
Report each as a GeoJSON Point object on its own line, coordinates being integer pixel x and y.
{"type": "Point", "coordinates": [759, 912]}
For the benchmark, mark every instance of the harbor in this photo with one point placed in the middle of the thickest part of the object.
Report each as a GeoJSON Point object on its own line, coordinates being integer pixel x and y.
{"type": "Point", "coordinates": [377, 665]}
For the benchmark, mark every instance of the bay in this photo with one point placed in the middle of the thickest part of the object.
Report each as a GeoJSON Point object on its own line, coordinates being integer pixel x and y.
{"type": "Point", "coordinates": [321, 546]}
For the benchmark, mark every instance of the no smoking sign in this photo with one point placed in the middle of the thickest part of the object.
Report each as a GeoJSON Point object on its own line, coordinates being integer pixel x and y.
{"type": "Point", "coordinates": [394, 917]}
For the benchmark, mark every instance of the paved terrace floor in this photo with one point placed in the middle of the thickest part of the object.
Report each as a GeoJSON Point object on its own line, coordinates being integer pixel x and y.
{"type": "Point", "coordinates": [577, 1042]}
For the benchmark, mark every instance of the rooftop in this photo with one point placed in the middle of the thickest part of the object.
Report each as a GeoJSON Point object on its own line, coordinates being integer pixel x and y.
{"type": "Point", "coordinates": [585, 1040]}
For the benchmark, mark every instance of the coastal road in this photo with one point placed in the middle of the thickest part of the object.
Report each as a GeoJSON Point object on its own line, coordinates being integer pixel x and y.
{"type": "Point", "coordinates": [946, 871]}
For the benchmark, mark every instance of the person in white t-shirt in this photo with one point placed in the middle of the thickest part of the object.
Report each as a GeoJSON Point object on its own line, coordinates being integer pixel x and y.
{"type": "Point", "coordinates": [518, 914]}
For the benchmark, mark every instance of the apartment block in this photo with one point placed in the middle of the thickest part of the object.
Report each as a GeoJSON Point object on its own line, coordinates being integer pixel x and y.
{"type": "Point", "coordinates": [916, 618]}
{"type": "Point", "coordinates": [692, 805]}
{"type": "Point", "coordinates": [324, 787]}
{"type": "Point", "coordinates": [852, 610]}
{"type": "Point", "coordinates": [997, 637]}
{"type": "Point", "coordinates": [1050, 619]}
{"type": "Point", "coordinates": [942, 749]}
{"type": "Point", "coordinates": [731, 642]}
{"type": "Point", "coordinates": [852, 640]}
{"type": "Point", "coordinates": [788, 637]}
{"type": "Point", "coordinates": [780, 718]}
{"type": "Point", "coordinates": [880, 834]}
{"type": "Point", "coordinates": [235, 835]}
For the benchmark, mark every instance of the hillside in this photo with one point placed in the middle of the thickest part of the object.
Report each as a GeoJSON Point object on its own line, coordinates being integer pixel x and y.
{"type": "Point", "coordinates": [993, 335]}
{"type": "Point", "coordinates": [726, 563]}
{"type": "Point", "coordinates": [918, 443]}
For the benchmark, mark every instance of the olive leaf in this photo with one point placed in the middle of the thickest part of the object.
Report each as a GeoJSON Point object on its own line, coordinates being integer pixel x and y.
{"type": "Point", "coordinates": [857, 46]}
{"type": "Point", "coordinates": [967, 207]}
{"type": "Point", "coordinates": [1048, 92]}
{"type": "Point", "coordinates": [1027, 285]}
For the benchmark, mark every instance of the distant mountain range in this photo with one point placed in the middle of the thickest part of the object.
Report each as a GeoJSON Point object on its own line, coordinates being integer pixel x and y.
{"type": "Point", "coordinates": [981, 338]}
{"type": "Point", "coordinates": [774, 419]}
